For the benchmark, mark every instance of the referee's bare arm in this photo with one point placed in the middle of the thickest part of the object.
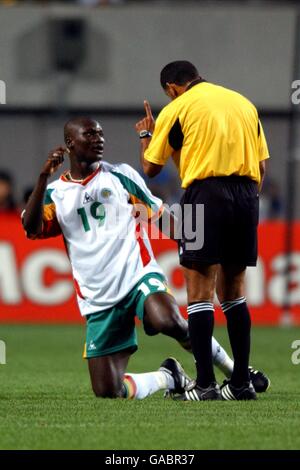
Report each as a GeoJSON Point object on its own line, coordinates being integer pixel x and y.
{"type": "Point", "coordinates": [262, 170]}
{"type": "Point", "coordinates": [147, 124]}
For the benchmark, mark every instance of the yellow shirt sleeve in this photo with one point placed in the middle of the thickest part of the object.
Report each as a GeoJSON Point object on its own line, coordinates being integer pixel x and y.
{"type": "Point", "coordinates": [159, 149]}
{"type": "Point", "coordinates": [262, 145]}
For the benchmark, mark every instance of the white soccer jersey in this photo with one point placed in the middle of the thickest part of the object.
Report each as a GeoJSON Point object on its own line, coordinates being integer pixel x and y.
{"type": "Point", "coordinates": [96, 218]}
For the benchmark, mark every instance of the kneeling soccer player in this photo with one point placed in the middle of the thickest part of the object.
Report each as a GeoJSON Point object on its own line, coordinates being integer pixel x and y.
{"type": "Point", "coordinates": [115, 274]}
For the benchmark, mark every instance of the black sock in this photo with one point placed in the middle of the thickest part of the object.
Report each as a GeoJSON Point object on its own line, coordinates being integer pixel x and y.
{"type": "Point", "coordinates": [201, 325]}
{"type": "Point", "coordinates": [239, 327]}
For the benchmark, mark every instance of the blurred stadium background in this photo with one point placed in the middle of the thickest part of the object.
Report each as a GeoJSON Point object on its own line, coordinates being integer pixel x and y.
{"type": "Point", "coordinates": [102, 58]}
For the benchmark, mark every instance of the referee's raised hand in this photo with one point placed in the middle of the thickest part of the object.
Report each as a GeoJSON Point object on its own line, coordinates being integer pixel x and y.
{"type": "Point", "coordinates": [148, 122]}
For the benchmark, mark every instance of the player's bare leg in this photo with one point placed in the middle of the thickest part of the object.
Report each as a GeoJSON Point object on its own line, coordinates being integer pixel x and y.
{"type": "Point", "coordinates": [162, 315]}
{"type": "Point", "coordinates": [109, 379]}
{"type": "Point", "coordinates": [107, 372]}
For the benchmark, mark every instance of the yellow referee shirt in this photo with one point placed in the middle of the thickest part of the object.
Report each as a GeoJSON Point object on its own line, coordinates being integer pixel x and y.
{"type": "Point", "coordinates": [209, 131]}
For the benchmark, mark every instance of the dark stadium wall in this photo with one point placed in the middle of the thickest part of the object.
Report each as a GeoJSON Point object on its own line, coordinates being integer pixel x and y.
{"type": "Point", "coordinates": [248, 48]}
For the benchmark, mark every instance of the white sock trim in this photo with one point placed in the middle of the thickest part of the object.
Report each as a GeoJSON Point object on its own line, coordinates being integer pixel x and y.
{"type": "Point", "coordinates": [227, 305]}
{"type": "Point", "coordinates": [200, 306]}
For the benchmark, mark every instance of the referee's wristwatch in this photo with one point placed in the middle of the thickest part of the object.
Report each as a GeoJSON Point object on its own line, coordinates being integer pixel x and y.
{"type": "Point", "coordinates": [145, 134]}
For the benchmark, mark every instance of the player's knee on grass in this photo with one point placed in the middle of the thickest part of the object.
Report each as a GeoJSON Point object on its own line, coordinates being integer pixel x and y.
{"type": "Point", "coordinates": [106, 375]}
{"type": "Point", "coordinates": [102, 390]}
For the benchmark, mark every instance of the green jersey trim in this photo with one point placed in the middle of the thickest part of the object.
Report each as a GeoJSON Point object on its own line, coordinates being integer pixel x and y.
{"type": "Point", "coordinates": [135, 190]}
{"type": "Point", "coordinates": [48, 197]}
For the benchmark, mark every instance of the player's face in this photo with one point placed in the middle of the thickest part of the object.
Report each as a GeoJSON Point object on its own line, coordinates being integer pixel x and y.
{"type": "Point", "coordinates": [89, 142]}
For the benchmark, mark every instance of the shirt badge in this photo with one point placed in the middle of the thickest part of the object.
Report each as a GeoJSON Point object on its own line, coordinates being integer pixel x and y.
{"type": "Point", "coordinates": [87, 198]}
{"type": "Point", "coordinates": [106, 193]}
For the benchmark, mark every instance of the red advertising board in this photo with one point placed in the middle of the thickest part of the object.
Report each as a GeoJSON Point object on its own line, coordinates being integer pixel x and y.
{"type": "Point", "coordinates": [36, 283]}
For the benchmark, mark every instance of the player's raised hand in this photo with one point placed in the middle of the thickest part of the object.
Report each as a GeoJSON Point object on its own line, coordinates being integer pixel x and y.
{"type": "Point", "coordinates": [148, 122]}
{"type": "Point", "coordinates": [54, 161]}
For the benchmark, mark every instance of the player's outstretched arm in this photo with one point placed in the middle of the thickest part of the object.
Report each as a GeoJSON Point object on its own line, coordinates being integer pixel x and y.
{"type": "Point", "coordinates": [33, 216]}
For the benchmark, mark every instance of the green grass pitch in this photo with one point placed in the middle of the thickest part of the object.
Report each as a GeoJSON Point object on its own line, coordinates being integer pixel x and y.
{"type": "Point", "coordinates": [46, 401]}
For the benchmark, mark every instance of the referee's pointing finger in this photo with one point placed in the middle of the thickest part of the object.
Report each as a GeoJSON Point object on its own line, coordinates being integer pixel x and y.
{"type": "Point", "coordinates": [148, 109]}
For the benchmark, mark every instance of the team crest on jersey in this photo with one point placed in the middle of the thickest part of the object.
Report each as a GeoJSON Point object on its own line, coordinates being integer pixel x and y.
{"type": "Point", "coordinates": [105, 193]}
{"type": "Point", "coordinates": [87, 198]}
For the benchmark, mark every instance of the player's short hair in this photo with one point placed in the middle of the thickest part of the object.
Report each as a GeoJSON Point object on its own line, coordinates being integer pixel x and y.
{"type": "Point", "coordinates": [179, 72]}
{"type": "Point", "coordinates": [74, 124]}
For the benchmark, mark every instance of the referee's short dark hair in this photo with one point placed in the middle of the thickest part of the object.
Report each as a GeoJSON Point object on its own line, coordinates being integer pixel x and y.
{"type": "Point", "coordinates": [179, 72]}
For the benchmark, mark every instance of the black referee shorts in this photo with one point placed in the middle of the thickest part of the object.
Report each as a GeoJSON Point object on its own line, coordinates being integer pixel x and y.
{"type": "Point", "coordinates": [228, 226]}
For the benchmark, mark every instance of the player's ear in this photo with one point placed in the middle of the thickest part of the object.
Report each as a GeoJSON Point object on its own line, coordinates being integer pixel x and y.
{"type": "Point", "coordinates": [69, 143]}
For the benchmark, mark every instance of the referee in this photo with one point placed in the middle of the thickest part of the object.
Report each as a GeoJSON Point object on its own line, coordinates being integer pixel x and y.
{"type": "Point", "coordinates": [217, 142]}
